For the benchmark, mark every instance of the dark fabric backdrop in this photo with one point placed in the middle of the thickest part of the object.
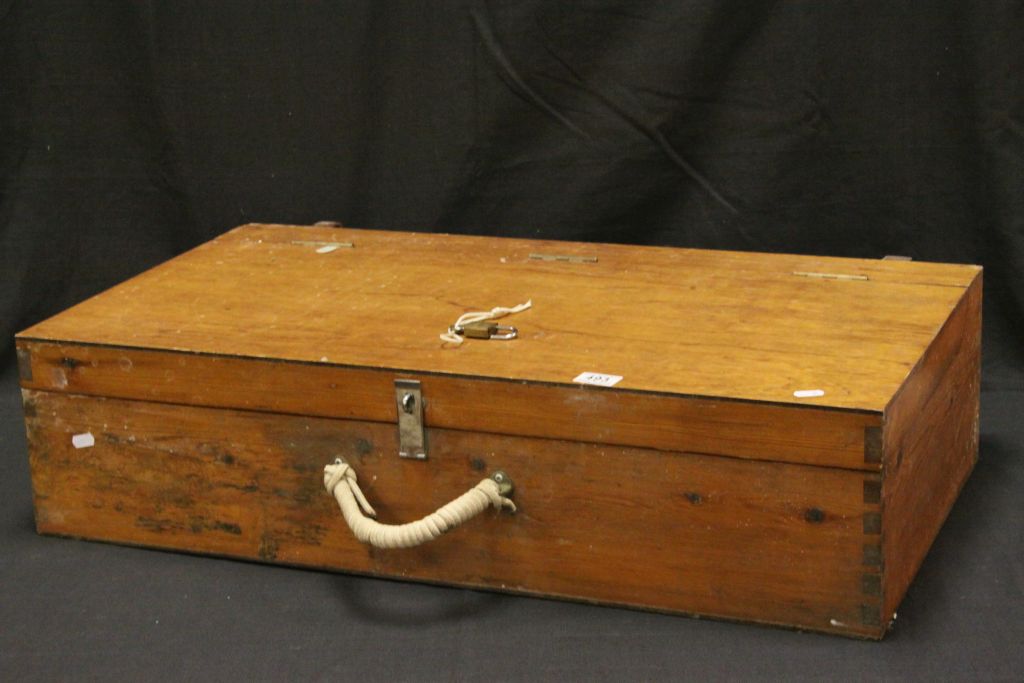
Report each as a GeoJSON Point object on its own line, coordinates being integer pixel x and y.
{"type": "Point", "coordinates": [131, 131]}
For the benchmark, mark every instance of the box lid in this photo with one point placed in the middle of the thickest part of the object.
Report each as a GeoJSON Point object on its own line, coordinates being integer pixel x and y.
{"type": "Point", "coordinates": [704, 327]}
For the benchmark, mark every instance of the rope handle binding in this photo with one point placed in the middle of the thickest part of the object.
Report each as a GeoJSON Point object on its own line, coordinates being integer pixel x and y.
{"type": "Point", "coordinates": [340, 480]}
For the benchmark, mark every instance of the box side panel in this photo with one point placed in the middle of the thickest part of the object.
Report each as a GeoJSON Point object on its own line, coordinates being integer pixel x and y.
{"type": "Point", "coordinates": [724, 537]}
{"type": "Point", "coordinates": [931, 444]}
{"type": "Point", "coordinates": [576, 412]}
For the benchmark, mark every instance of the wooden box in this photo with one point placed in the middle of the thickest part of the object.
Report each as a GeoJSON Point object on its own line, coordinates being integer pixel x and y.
{"type": "Point", "coordinates": [787, 436]}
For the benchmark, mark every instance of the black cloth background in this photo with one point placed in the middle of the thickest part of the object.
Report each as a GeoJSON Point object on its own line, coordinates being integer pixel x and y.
{"type": "Point", "coordinates": [131, 131]}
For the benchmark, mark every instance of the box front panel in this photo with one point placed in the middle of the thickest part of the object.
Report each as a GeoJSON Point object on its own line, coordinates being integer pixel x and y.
{"type": "Point", "coordinates": [724, 537]}
{"type": "Point", "coordinates": [575, 412]}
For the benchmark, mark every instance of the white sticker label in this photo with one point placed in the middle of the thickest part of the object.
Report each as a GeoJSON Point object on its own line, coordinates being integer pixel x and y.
{"type": "Point", "coordinates": [327, 248]}
{"type": "Point", "coordinates": [808, 393]}
{"type": "Point", "coordinates": [86, 440]}
{"type": "Point", "coordinates": [598, 379]}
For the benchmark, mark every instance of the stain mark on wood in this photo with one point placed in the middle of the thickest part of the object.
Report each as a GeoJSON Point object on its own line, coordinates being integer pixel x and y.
{"type": "Point", "coordinates": [873, 445]}
{"type": "Point", "coordinates": [199, 524]}
{"type": "Point", "coordinates": [694, 497]}
{"type": "Point", "coordinates": [814, 515]}
{"type": "Point", "coordinates": [872, 523]}
{"type": "Point", "coordinates": [872, 555]}
{"type": "Point", "coordinates": [268, 547]}
{"type": "Point", "coordinates": [309, 535]}
{"type": "Point", "coordinates": [157, 524]}
{"type": "Point", "coordinates": [478, 464]}
{"type": "Point", "coordinates": [174, 498]}
{"type": "Point", "coordinates": [305, 467]}
{"type": "Point", "coordinates": [69, 362]}
{"type": "Point", "coordinates": [363, 447]}
{"type": "Point", "coordinates": [251, 487]}
{"type": "Point", "coordinates": [227, 527]}
{"type": "Point", "coordinates": [871, 584]}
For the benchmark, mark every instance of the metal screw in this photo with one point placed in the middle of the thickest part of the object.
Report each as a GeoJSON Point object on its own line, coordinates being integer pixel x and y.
{"type": "Point", "coordinates": [503, 481]}
{"type": "Point", "coordinates": [408, 401]}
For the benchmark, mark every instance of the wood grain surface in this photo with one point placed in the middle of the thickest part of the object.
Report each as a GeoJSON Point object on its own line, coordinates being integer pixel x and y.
{"type": "Point", "coordinates": [678, 321]}
{"type": "Point", "coordinates": [575, 412]}
{"type": "Point", "coordinates": [758, 541]}
{"type": "Point", "coordinates": [217, 386]}
{"type": "Point", "coordinates": [931, 445]}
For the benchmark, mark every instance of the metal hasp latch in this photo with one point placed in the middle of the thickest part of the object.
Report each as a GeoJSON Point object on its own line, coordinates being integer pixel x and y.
{"type": "Point", "coordinates": [485, 329]}
{"type": "Point", "coordinates": [412, 439]}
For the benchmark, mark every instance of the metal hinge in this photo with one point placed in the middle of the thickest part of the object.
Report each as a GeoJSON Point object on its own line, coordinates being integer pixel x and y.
{"type": "Point", "coordinates": [412, 438]}
{"type": "Point", "coordinates": [829, 276]}
{"type": "Point", "coordinates": [571, 258]}
{"type": "Point", "coordinates": [323, 247]}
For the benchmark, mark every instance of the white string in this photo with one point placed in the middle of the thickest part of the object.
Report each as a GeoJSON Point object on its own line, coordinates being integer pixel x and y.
{"type": "Point", "coordinates": [340, 480]}
{"type": "Point", "coordinates": [479, 316]}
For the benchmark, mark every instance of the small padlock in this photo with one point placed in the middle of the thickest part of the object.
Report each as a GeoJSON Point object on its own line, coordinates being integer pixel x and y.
{"type": "Point", "coordinates": [486, 329]}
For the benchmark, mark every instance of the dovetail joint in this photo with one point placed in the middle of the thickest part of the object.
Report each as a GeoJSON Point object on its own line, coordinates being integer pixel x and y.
{"type": "Point", "coordinates": [24, 364]}
{"type": "Point", "coordinates": [872, 491]}
{"type": "Point", "coordinates": [873, 445]}
{"type": "Point", "coordinates": [871, 615]}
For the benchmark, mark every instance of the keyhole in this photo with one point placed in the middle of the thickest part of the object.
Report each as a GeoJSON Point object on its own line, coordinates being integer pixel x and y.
{"type": "Point", "coordinates": [408, 401]}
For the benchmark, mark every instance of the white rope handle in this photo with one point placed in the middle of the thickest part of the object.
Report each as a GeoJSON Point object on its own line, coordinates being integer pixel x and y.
{"type": "Point", "coordinates": [340, 480]}
{"type": "Point", "coordinates": [479, 316]}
